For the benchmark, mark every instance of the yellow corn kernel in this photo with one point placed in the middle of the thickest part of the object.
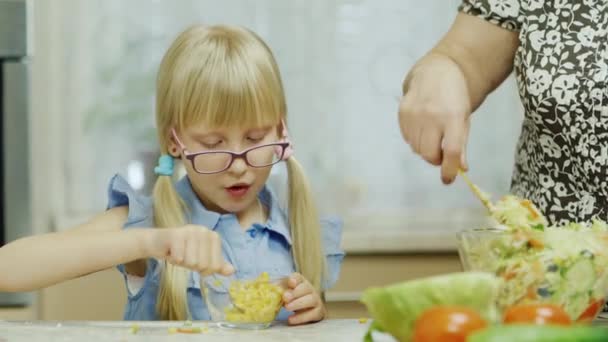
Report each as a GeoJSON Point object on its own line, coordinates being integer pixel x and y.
{"type": "Point", "coordinates": [256, 301]}
{"type": "Point", "coordinates": [134, 329]}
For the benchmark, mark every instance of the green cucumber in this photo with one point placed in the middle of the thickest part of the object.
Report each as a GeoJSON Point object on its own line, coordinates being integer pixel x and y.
{"type": "Point", "coordinates": [540, 333]}
{"type": "Point", "coordinates": [577, 284]}
{"type": "Point", "coordinates": [580, 277]}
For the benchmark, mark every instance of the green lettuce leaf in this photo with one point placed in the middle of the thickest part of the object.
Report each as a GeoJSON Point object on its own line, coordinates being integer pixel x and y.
{"type": "Point", "coordinates": [395, 308]}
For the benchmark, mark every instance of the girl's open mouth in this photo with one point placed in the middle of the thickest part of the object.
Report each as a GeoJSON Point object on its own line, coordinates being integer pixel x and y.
{"type": "Point", "coordinates": [238, 190]}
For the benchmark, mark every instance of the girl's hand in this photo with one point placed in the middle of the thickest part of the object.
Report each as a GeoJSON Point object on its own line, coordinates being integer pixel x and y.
{"type": "Point", "coordinates": [304, 300]}
{"type": "Point", "coordinates": [194, 247]}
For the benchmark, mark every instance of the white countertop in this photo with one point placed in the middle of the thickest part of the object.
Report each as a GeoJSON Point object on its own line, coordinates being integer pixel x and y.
{"type": "Point", "coordinates": [408, 231]}
{"type": "Point", "coordinates": [327, 330]}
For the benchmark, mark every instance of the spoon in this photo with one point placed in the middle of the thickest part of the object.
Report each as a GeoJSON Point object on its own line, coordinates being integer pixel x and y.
{"type": "Point", "coordinates": [485, 200]}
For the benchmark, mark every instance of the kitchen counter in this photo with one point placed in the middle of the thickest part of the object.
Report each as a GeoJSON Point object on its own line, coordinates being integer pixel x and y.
{"type": "Point", "coordinates": [328, 330]}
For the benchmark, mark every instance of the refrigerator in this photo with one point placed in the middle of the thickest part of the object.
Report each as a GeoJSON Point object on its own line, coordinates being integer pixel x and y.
{"type": "Point", "coordinates": [15, 206]}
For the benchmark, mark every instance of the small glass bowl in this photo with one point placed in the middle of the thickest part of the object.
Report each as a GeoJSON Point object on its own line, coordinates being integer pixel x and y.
{"type": "Point", "coordinates": [251, 303]}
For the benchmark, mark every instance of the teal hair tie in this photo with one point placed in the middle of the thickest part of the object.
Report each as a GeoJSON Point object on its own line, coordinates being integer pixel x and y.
{"type": "Point", "coordinates": [165, 165]}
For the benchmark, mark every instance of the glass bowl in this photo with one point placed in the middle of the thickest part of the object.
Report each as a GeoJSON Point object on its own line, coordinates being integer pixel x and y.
{"type": "Point", "coordinates": [557, 266]}
{"type": "Point", "coordinates": [244, 303]}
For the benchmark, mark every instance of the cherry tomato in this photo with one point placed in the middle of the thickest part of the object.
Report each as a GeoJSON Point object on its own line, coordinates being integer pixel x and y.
{"type": "Point", "coordinates": [592, 310]}
{"type": "Point", "coordinates": [540, 314]}
{"type": "Point", "coordinates": [447, 324]}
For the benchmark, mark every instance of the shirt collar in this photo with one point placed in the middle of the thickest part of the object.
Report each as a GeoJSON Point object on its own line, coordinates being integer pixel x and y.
{"type": "Point", "coordinates": [197, 211]}
{"type": "Point", "coordinates": [277, 219]}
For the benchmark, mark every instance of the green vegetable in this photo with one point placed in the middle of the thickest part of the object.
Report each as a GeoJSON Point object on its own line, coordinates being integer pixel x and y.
{"type": "Point", "coordinates": [539, 226]}
{"type": "Point", "coordinates": [372, 327]}
{"type": "Point", "coordinates": [540, 333]}
{"type": "Point", "coordinates": [395, 308]}
{"type": "Point", "coordinates": [569, 267]}
{"type": "Point", "coordinates": [579, 280]}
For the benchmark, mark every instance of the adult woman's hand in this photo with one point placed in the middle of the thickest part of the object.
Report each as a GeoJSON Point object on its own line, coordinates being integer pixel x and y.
{"type": "Point", "coordinates": [448, 84]}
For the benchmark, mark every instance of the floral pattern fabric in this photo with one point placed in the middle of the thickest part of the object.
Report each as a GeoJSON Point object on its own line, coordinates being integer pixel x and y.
{"type": "Point", "coordinates": [561, 67]}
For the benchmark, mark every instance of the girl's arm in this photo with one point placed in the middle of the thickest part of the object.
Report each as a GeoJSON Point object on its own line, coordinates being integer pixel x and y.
{"type": "Point", "coordinates": [38, 261]}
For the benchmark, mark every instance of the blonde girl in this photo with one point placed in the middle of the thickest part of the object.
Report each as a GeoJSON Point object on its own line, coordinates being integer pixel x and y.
{"type": "Point", "coordinates": [221, 111]}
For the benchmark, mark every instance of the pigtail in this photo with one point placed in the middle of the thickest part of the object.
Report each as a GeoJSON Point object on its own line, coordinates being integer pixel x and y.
{"type": "Point", "coordinates": [305, 227]}
{"type": "Point", "coordinates": [169, 213]}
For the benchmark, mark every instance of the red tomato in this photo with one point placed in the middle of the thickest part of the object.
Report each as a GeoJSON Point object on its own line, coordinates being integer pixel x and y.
{"type": "Point", "coordinates": [589, 314]}
{"type": "Point", "coordinates": [447, 324]}
{"type": "Point", "coordinates": [541, 314]}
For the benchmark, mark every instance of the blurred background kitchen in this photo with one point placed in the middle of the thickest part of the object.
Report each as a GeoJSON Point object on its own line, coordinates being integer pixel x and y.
{"type": "Point", "coordinates": [77, 104]}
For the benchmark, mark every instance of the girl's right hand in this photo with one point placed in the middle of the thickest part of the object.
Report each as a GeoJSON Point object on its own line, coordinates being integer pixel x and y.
{"type": "Point", "coordinates": [194, 247]}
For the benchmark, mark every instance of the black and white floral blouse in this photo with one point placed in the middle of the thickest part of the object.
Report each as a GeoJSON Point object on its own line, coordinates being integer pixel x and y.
{"type": "Point", "coordinates": [561, 67]}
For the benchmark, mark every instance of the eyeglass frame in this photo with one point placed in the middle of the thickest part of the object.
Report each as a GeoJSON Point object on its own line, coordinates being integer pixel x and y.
{"type": "Point", "coordinates": [284, 145]}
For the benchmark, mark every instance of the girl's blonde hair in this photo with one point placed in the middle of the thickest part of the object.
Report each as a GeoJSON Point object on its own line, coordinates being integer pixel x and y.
{"type": "Point", "coordinates": [225, 76]}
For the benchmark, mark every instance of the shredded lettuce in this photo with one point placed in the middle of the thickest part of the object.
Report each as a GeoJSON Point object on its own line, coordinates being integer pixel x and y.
{"type": "Point", "coordinates": [565, 265]}
{"type": "Point", "coordinates": [516, 213]}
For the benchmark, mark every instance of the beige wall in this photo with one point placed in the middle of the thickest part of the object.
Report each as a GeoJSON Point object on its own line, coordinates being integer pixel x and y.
{"type": "Point", "coordinates": [99, 296]}
{"type": "Point", "coordinates": [362, 271]}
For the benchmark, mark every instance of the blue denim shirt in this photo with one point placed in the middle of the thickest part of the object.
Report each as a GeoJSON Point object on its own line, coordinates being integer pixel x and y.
{"type": "Point", "coordinates": [261, 248]}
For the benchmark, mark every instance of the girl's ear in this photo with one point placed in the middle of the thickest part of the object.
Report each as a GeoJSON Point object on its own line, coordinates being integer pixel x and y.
{"type": "Point", "coordinates": [173, 147]}
{"type": "Point", "coordinates": [282, 129]}
{"type": "Point", "coordinates": [174, 152]}
{"type": "Point", "coordinates": [279, 128]}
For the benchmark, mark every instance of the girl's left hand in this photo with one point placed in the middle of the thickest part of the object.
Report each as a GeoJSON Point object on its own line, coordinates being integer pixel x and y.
{"type": "Point", "coordinates": [302, 299]}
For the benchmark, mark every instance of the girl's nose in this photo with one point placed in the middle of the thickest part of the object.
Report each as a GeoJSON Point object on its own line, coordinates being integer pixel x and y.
{"type": "Point", "coordinates": [238, 167]}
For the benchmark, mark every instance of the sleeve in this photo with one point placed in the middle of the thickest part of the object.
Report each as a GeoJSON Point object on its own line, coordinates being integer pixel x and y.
{"type": "Point", "coordinates": [504, 13]}
{"type": "Point", "coordinates": [120, 193]}
{"type": "Point", "coordinates": [140, 215]}
{"type": "Point", "coordinates": [331, 233]}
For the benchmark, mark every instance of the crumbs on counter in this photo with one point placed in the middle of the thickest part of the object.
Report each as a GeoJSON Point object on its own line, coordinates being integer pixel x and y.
{"type": "Point", "coordinates": [188, 328]}
{"type": "Point", "coordinates": [134, 329]}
